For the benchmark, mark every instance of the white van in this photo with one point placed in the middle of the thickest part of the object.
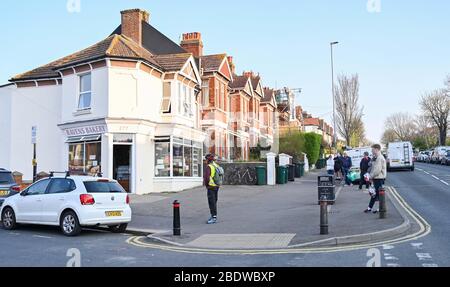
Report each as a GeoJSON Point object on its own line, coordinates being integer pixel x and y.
{"type": "Point", "coordinates": [356, 154]}
{"type": "Point", "coordinates": [400, 156]}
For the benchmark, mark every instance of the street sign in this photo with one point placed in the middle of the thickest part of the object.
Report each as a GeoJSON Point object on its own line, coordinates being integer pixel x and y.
{"type": "Point", "coordinates": [326, 188]}
{"type": "Point", "coordinates": [33, 134]}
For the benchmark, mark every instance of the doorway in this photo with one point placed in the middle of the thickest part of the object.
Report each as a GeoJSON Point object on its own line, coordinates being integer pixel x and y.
{"type": "Point", "coordinates": [122, 163]}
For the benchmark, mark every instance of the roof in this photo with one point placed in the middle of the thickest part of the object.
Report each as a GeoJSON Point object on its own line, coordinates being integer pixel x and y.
{"type": "Point", "coordinates": [114, 46]}
{"type": "Point", "coordinates": [255, 81]}
{"type": "Point", "coordinates": [212, 63]}
{"type": "Point", "coordinates": [172, 62]}
{"type": "Point", "coordinates": [311, 122]}
{"type": "Point", "coordinates": [268, 95]}
{"type": "Point", "coordinates": [238, 82]}
{"type": "Point", "coordinates": [154, 41]}
{"type": "Point", "coordinates": [156, 49]}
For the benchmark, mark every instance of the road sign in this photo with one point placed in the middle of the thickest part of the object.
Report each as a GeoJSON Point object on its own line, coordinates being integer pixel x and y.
{"type": "Point", "coordinates": [33, 134]}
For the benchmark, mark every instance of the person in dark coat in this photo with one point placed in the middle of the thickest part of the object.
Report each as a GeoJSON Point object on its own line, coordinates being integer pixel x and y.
{"type": "Point", "coordinates": [338, 166]}
{"type": "Point", "coordinates": [364, 168]}
{"type": "Point", "coordinates": [347, 165]}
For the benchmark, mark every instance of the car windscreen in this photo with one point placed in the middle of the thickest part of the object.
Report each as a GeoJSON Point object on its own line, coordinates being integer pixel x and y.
{"type": "Point", "coordinates": [103, 187]}
{"type": "Point", "coordinates": [6, 178]}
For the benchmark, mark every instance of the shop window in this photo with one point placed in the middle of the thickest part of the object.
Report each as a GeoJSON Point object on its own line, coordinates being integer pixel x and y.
{"type": "Point", "coordinates": [84, 100]}
{"type": "Point", "coordinates": [85, 158]}
{"type": "Point", "coordinates": [177, 160]}
{"type": "Point", "coordinates": [162, 158]}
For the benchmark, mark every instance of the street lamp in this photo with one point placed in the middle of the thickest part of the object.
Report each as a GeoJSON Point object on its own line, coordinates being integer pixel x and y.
{"type": "Point", "coordinates": [332, 94]}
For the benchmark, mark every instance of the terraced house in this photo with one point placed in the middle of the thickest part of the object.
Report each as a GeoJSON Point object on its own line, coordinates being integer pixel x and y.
{"type": "Point", "coordinates": [127, 106]}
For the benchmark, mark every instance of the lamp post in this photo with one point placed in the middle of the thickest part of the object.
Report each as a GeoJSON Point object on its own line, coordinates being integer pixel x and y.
{"type": "Point", "coordinates": [332, 94]}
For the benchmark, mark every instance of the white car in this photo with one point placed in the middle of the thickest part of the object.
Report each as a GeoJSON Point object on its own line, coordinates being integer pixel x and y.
{"type": "Point", "coordinates": [70, 202]}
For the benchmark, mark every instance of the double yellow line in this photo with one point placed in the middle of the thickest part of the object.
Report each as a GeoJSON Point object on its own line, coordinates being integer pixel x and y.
{"type": "Point", "coordinates": [424, 229]}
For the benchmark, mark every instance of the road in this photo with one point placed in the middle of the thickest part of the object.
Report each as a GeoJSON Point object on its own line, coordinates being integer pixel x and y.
{"type": "Point", "coordinates": [427, 190]}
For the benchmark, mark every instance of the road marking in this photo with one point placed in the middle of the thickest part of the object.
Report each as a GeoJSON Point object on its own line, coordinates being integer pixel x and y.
{"type": "Point", "coordinates": [435, 177]}
{"type": "Point", "coordinates": [444, 182]}
{"type": "Point", "coordinates": [427, 172]}
{"type": "Point", "coordinates": [390, 258]}
{"type": "Point", "coordinates": [417, 245]}
{"type": "Point", "coordinates": [432, 265]}
{"type": "Point", "coordinates": [388, 247]}
{"type": "Point", "coordinates": [393, 265]}
{"type": "Point", "coordinates": [424, 256]}
{"type": "Point", "coordinates": [42, 236]}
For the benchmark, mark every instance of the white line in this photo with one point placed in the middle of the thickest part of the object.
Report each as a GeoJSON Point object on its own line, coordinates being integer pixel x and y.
{"type": "Point", "coordinates": [435, 177]}
{"type": "Point", "coordinates": [427, 172]}
{"type": "Point", "coordinates": [392, 265]}
{"type": "Point", "coordinates": [41, 236]}
{"type": "Point", "coordinates": [432, 265]}
{"type": "Point", "coordinates": [424, 256]}
{"type": "Point", "coordinates": [390, 258]}
{"type": "Point", "coordinates": [444, 182]}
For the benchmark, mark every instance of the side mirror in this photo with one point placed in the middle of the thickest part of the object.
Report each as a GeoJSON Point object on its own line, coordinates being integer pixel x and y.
{"type": "Point", "coordinates": [23, 193]}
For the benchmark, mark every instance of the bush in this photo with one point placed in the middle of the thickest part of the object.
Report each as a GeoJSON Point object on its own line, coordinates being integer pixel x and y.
{"type": "Point", "coordinates": [312, 146]}
{"type": "Point", "coordinates": [293, 144]}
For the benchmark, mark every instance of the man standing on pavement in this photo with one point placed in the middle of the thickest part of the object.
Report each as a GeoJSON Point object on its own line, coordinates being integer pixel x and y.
{"type": "Point", "coordinates": [347, 164]}
{"type": "Point", "coordinates": [377, 175]}
{"type": "Point", "coordinates": [364, 168]}
{"type": "Point", "coordinates": [212, 187]}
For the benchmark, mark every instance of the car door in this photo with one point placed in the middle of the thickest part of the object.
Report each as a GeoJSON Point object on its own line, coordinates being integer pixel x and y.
{"type": "Point", "coordinates": [29, 204]}
{"type": "Point", "coordinates": [55, 198]}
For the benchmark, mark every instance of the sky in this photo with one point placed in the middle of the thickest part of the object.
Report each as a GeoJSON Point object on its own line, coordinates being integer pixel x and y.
{"type": "Point", "coordinates": [399, 48]}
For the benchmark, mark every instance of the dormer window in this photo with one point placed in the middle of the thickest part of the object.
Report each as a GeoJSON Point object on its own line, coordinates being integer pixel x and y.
{"type": "Point", "coordinates": [84, 99]}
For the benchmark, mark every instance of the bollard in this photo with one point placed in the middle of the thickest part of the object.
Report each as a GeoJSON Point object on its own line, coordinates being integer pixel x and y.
{"type": "Point", "coordinates": [323, 217]}
{"type": "Point", "coordinates": [382, 202]}
{"type": "Point", "coordinates": [176, 218]}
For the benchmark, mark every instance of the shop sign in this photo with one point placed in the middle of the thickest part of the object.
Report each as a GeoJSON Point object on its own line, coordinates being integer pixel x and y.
{"type": "Point", "coordinates": [87, 130]}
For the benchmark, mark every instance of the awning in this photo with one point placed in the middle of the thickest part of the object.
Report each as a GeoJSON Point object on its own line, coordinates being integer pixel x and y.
{"type": "Point", "coordinates": [83, 138]}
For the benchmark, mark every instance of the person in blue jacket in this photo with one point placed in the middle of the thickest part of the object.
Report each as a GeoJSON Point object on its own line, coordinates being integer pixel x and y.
{"type": "Point", "coordinates": [347, 164]}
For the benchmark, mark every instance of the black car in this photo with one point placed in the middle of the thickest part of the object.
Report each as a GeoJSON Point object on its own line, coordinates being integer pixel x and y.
{"type": "Point", "coordinates": [8, 186]}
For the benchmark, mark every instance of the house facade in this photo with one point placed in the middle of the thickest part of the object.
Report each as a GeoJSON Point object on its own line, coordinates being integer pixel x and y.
{"type": "Point", "coordinates": [127, 107]}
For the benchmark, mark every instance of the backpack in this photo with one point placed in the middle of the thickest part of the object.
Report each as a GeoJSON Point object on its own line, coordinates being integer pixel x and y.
{"type": "Point", "coordinates": [218, 175]}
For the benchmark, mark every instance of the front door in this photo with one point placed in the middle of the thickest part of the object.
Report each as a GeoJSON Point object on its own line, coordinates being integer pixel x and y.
{"type": "Point", "coordinates": [122, 165]}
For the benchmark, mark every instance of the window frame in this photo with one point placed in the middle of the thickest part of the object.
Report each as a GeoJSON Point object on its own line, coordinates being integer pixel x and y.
{"type": "Point", "coordinates": [84, 93]}
{"type": "Point", "coordinates": [55, 179]}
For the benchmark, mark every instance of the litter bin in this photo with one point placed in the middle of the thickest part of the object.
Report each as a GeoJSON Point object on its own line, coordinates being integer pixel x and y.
{"type": "Point", "coordinates": [281, 174]}
{"type": "Point", "coordinates": [302, 168]}
{"type": "Point", "coordinates": [298, 172]}
{"type": "Point", "coordinates": [261, 175]}
{"type": "Point", "coordinates": [291, 172]}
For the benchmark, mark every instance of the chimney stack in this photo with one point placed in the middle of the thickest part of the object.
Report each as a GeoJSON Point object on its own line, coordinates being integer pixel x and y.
{"type": "Point", "coordinates": [132, 23]}
{"type": "Point", "coordinates": [192, 43]}
{"type": "Point", "coordinates": [232, 66]}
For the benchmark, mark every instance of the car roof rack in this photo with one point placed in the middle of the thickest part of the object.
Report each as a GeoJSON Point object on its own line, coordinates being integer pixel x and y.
{"type": "Point", "coordinates": [67, 173]}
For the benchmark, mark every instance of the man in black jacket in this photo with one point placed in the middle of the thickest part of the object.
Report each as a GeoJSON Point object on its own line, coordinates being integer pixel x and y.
{"type": "Point", "coordinates": [364, 167]}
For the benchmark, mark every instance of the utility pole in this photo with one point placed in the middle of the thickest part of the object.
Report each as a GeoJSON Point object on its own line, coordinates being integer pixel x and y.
{"type": "Point", "coordinates": [332, 94]}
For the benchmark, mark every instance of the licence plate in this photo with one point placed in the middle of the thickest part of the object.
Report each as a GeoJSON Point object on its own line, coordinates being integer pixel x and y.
{"type": "Point", "coordinates": [4, 192]}
{"type": "Point", "coordinates": [113, 213]}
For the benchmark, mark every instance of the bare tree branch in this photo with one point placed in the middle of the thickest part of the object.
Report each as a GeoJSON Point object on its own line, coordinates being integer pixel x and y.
{"type": "Point", "coordinates": [436, 107]}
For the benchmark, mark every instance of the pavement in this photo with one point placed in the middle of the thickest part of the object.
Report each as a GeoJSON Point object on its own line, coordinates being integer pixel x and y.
{"type": "Point", "coordinates": [267, 217]}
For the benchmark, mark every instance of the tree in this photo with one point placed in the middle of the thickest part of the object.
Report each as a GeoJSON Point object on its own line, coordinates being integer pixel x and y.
{"type": "Point", "coordinates": [426, 134]}
{"type": "Point", "coordinates": [293, 144]}
{"type": "Point", "coordinates": [312, 147]}
{"type": "Point", "coordinates": [348, 112]}
{"type": "Point", "coordinates": [402, 125]}
{"type": "Point", "coordinates": [388, 136]}
{"type": "Point", "coordinates": [436, 107]}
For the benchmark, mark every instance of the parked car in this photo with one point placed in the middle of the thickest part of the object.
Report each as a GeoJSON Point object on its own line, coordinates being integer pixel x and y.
{"type": "Point", "coordinates": [438, 153]}
{"type": "Point", "coordinates": [70, 202]}
{"type": "Point", "coordinates": [423, 156]}
{"type": "Point", "coordinates": [8, 186]}
{"type": "Point", "coordinates": [400, 156]}
{"type": "Point", "coordinates": [446, 158]}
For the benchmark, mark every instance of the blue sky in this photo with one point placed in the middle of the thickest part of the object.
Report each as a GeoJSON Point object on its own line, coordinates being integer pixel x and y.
{"type": "Point", "coordinates": [399, 53]}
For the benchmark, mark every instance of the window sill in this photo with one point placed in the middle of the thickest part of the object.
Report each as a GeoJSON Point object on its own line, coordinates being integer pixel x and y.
{"type": "Point", "coordinates": [82, 112]}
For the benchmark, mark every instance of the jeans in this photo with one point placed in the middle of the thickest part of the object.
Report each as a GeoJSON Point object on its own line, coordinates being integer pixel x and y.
{"type": "Point", "coordinates": [213, 196]}
{"type": "Point", "coordinates": [378, 183]}
{"type": "Point", "coordinates": [347, 181]}
{"type": "Point", "coordinates": [362, 181]}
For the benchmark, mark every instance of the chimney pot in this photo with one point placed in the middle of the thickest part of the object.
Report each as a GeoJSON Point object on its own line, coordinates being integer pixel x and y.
{"type": "Point", "coordinates": [192, 43]}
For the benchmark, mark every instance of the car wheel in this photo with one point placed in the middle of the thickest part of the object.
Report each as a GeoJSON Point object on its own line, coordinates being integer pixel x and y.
{"type": "Point", "coordinates": [121, 228]}
{"type": "Point", "coordinates": [9, 219]}
{"type": "Point", "coordinates": [70, 226]}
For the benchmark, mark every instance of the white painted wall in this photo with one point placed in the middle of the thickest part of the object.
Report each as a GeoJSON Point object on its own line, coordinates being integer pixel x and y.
{"type": "Point", "coordinates": [5, 126]}
{"type": "Point", "coordinates": [41, 107]}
